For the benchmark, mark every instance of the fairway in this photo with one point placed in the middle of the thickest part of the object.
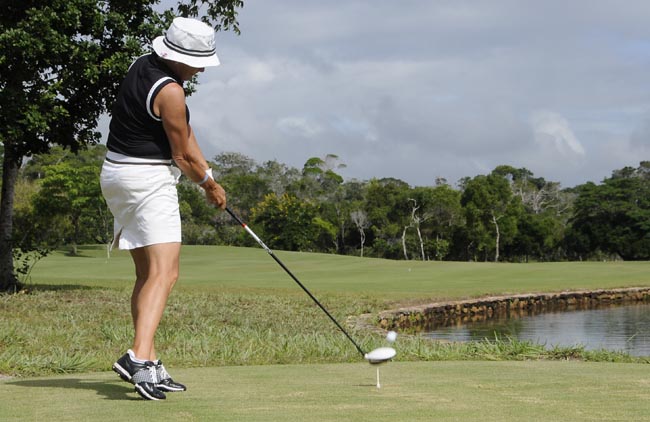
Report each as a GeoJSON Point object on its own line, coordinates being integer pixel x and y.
{"type": "Point", "coordinates": [425, 391]}
{"type": "Point", "coordinates": [229, 268]}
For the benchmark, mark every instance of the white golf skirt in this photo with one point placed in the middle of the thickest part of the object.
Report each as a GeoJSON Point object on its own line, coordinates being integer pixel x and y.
{"type": "Point", "coordinates": [143, 199]}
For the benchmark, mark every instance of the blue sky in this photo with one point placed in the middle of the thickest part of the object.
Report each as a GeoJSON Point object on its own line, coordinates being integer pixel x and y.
{"type": "Point", "coordinates": [419, 89]}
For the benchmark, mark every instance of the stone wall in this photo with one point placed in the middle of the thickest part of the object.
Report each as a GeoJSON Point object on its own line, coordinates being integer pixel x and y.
{"type": "Point", "coordinates": [431, 316]}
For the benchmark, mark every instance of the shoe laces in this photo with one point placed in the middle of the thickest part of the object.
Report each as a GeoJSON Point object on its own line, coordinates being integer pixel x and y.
{"type": "Point", "coordinates": [146, 374]}
{"type": "Point", "coordinates": [161, 372]}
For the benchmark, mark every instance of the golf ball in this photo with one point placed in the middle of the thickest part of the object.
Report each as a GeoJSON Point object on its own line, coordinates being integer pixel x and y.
{"type": "Point", "coordinates": [391, 336]}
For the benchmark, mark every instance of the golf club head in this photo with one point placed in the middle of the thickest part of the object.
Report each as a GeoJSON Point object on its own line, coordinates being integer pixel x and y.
{"type": "Point", "coordinates": [380, 355]}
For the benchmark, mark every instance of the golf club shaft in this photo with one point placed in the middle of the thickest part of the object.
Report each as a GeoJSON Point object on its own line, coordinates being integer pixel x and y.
{"type": "Point", "coordinates": [284, 267]}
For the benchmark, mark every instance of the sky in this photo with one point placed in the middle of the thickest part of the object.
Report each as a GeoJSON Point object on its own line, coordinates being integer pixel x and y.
{"type": "Point", "coordinates": [418, 90]}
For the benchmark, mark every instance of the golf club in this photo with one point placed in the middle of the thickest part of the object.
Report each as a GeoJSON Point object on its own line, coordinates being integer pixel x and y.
{"type": "Point", "coordinates": [374, 357]}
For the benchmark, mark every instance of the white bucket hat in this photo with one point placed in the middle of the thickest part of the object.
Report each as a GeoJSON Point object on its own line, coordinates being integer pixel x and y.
{"type": "Point", "coordinates": [188, 41]}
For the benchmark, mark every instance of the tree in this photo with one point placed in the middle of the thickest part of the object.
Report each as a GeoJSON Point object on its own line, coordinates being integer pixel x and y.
{"type": "Point", "coordinates": [233, 163]}
{"type": "Point", "coordinates": [61, 62]}
{"type": "Point", "coordinates": [36, 167]}
{"type": "Point", "coordinates": [32, 236]}
{"type": "Point", "coordinates": [286, 222]}
{"type": "Point", "coordinates": [319, 181]}
{"type": "Point", "coordinates": [350, 197]}
{"type": "Point", "coordinates": [71, 192]}
{"type": "Point", "coordinates": [58, 200]}
{"type": "Point", "coordinates": [197, 215]}
{"type": "Point", "coordinates": [537, 194]}
{"type": "Point", "coordinates": [446, 218]}
{"type": "Point", "coordinates": [279, 177]}
{"type": "Point", "coordinates": [614, 217]}
{"type": "Point", "coordinates": [360, 220]}
{"type": "Point", "coordinates": [491, 212]}
{"type": "Point", "coordinates": [416, 219]}
{"type": "Point", "coordinates": [321, 185]}
{"type": "Point", "coordinates": [322, 172]}
{"type": "Point", "coordinates": [384, 202]}
{"type": "Point", "coordinates": [238, 175]}
{"type": "Point", "coordinates": [546, 211]}
{"type": "Point", "coordinates": [538, 236]}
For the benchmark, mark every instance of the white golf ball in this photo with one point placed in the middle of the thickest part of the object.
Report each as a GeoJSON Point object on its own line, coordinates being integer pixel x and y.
{"type": "Point", "coordinates": [391, 336]}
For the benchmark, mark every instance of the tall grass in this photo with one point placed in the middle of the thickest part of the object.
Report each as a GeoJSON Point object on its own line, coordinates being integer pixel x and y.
{"type": "Point", "coordinates": [52, 331]}
{"type": "Point", "coordinates": [235, 306]}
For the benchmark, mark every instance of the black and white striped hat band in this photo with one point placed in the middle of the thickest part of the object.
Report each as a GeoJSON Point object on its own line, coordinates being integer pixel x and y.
{"type": "Point", "coordinates": [188, 52]}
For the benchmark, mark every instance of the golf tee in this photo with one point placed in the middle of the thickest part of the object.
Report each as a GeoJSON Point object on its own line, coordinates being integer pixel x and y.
{"type": "Point", "coordinates": [378, 384]}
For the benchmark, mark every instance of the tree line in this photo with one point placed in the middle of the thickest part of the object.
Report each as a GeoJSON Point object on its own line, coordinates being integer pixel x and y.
{"type": "Point", "coordinates": [508, 215]}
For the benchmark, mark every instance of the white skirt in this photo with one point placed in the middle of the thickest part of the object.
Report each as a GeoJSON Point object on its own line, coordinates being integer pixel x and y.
{"type": "Point", "coordinates": [144, 203]}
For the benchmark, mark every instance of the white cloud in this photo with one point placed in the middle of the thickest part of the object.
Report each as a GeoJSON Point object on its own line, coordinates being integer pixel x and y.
{"type": "Point", "coordinates": [299, 126]}
{"type": "Point", "coordinates": [552, 130]}
{"type": "Point", "coordinates": [255, 72]}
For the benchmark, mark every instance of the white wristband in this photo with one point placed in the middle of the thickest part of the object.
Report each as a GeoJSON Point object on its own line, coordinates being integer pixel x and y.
{"type": "Point", "coordinates": [208, 175]}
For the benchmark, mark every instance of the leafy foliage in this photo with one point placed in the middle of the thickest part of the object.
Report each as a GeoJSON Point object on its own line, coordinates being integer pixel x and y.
{"type": "Point", "coordinates": [288, 223]}
{"type": "Point", "coordinates": [58, 200]}
{"type": "Point", "coordinates": [613, 217]}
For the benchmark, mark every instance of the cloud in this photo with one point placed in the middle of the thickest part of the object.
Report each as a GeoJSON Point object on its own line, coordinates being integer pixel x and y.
{"type": "Point", "coordinates": [299, 126]}
{"type": "Point", "coordinates": [254, 72]}
{"type": "Point", "coordinates": [421, 89]}
{"type": "Point", "coordinates": [553, 131]}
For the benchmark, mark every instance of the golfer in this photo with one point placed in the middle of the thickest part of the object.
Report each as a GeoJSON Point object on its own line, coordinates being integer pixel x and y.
{"type": "Point", "coordinates": [149, 144]}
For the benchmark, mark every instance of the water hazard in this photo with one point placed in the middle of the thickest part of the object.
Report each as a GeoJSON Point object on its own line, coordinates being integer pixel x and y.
{"type": "Point", "coordinates": [617, 328]}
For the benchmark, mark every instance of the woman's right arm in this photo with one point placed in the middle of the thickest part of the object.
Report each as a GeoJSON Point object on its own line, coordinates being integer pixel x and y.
{"type": "Point", "coordinates": [169, 104]}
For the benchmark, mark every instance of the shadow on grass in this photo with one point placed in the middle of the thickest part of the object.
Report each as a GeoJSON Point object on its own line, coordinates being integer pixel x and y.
{"type": "Point", "coordinates": [59, 287]}
{"type": "Point", "coordinates": [83, 251]}
{"type": "Point", "coordinates": [108, 390]}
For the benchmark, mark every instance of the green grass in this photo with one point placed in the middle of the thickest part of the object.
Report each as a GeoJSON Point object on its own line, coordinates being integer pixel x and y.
{"type": "Point", "coordinates": [224, 268]}
{"type": "Point", "coordinates": [414, 391]}
{"type": "Point", "coordinates": [234, 310]}
{"type": "Point", "coordinates": [235, 306]}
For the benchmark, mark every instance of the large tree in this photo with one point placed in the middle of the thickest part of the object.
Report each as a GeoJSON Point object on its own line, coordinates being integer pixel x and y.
{"type": "Point", "coordinates": [238, 173]}
{"type": "Point", "coordinates": [61, 62]}
{"type": "Point", "coordinates": [446, 217]}
{"type": "Point", "coordinates": [490, 212]}
{"type": "Point", "coordinates": [287, 223]}
{"type": "Point", "coordinates": [613, 218]}
{"type": "Point", "coordinates": [72, 192]}
{"type": "Point", "coordinates": [385, 208]}
{"type": "Point", "coordinates": [546, 210]}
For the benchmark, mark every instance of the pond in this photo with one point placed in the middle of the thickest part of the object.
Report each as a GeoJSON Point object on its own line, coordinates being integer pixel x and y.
{"type": "Point", "coordinates": [616, 328]}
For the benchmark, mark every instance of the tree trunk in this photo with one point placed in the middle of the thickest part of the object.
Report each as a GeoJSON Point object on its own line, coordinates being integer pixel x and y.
{"type": "Point", "coordinates": [362, 233]}
{"type": "Point", "coordinates": [421, 241]}
{"type": "Point", "coordinates": [8, 280]}
{"type": "Point", "coordinates": [340, 236]}
{"type": "Point", "coordinates": [406, 257]}
{"type": "Point", "coordinates": [498, 235]}
{"type": "Point", "coordinates": [359, 218]}
{"type": "Point", "coordinates": [340, 244]}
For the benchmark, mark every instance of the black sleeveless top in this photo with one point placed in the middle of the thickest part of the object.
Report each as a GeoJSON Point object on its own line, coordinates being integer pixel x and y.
{"type": "Point", "coordinates": [134, 128]}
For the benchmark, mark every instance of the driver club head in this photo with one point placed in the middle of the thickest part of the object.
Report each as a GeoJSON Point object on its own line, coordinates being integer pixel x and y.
{"type": "Point", "coordinates": [380, 355]}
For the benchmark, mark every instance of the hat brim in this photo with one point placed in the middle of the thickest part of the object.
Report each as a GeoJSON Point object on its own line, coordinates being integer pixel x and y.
{"type": "Point", "coordinates": [194, 61]}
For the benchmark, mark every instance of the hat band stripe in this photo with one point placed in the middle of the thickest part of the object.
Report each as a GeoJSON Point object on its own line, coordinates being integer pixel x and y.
{"type": "Point", "coordinates": [187, 52]}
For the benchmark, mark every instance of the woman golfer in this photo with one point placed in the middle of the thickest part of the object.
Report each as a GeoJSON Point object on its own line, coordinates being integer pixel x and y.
{"type": "Point", "coordinates": [150, 143]}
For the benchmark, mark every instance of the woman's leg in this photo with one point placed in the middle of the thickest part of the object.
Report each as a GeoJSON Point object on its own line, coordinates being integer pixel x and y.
{"type": "Point", "coordinates": [156, 268]}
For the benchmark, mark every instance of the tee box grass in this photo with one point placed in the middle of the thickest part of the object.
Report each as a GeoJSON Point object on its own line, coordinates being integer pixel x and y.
{"type": "Point", "coordinates": [411, 391]}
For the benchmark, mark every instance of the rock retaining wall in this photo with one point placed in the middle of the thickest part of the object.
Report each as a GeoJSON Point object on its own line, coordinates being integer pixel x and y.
{"type": "Point", "coordinates": [431, 316]}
